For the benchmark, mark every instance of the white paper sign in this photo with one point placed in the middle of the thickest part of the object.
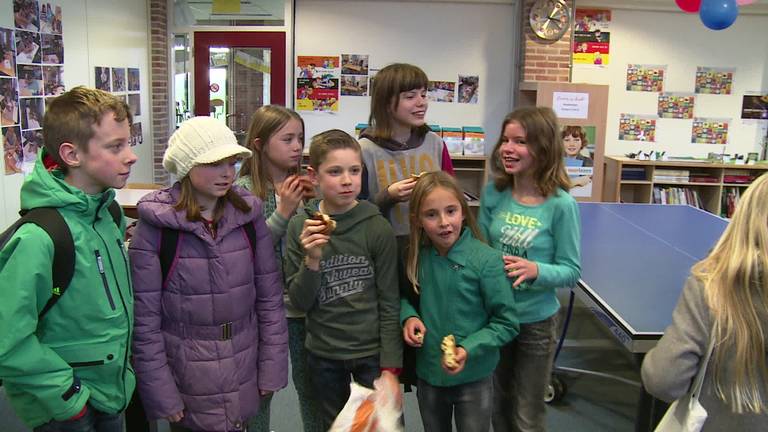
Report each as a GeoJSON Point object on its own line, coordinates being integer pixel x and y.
{"type": "Point", "coordinates": [571, 105]}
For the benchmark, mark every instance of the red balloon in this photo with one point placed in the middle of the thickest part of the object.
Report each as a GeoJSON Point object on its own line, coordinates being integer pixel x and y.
{"type": "Point", "coordinates": [689, 6]}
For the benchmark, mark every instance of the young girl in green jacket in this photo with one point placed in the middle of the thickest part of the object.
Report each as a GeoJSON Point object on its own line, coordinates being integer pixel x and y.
{"type": "Point", "coordinates": [461, 291]}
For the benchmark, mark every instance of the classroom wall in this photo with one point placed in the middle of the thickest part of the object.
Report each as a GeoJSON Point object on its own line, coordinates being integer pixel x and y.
{"type": "Point", "coordinates": [443, 38]}
{"type": "Point", "coordinates": [681, 42]}
{"type": "Point", "coordinates": [96, 33]}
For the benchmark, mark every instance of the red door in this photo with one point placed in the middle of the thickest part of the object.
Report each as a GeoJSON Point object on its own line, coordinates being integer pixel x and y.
{"type": "Point", "coordinates": [237, 72]}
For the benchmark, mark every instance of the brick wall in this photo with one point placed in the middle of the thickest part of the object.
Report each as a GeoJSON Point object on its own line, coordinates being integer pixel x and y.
{"type": "Point", "coordinates": [544, 60]}
{"type": "Point", "coordinates": [160, 87]}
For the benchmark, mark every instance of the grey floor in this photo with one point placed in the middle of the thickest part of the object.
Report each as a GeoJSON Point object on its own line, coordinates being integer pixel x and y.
{"type": "Point", "coordinates": [590, 404]}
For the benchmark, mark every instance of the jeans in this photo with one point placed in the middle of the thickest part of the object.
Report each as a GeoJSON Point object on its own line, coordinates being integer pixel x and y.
{"type": "Point", "coordinates": [92, 421]}
{"type": "Point", "coordinates": [469, 404]}
{"type": "Point", "coordinates": [521, 377]}
{"type": "Point", "coordinates": [331, 378]}
{"type": "Point", "coordinates": [297, 333]}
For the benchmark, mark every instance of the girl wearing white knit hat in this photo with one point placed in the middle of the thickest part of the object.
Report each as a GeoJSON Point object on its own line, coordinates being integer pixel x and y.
{"type": "Point", "coordinates": [210, 334]}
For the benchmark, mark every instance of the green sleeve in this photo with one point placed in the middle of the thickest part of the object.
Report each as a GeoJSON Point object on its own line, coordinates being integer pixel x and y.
{"type": "Point", "coordinates": [565, 269]}
{"type": "Point", "coordinates": [303, 283]}
{"type": "Point", "coordinates": [484, 214]}
{"type": "Point", "coordinates": [25, 363]}
{"type": "Point", "coordinates": [499, 303]}
{"type": "Point", "coordinates": [406, 311]}
{"type": "Point", "coordinates": [384, 254]}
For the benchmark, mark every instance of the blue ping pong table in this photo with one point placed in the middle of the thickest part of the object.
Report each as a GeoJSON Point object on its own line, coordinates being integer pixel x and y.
{"type": "Point", "coordinates": [635, 259]}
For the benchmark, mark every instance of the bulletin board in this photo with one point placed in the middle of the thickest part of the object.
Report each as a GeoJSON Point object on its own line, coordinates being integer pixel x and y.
{"type": "Point", "coordinates": [443, 38]}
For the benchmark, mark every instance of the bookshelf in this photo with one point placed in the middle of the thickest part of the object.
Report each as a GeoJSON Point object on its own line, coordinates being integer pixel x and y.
{"type": "Point", "coordinates": [715, 187]}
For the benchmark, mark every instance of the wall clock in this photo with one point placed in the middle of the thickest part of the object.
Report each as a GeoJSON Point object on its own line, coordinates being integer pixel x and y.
{"type": "Point", "coordinates": [550, 19]}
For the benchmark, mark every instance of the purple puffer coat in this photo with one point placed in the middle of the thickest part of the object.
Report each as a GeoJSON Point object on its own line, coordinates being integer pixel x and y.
{"type": "Point", "coordinates": [184, 353]}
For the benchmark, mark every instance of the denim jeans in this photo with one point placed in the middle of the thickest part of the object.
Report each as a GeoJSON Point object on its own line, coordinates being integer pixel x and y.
{"type": "Point", "coordinates": [92, 421]}
{"type": "Point", "coordinates": [331, 378]}
{"type": "Point", "coordinates": [468, 404]}
{"type": "Point", "coordinates": [521, 377]}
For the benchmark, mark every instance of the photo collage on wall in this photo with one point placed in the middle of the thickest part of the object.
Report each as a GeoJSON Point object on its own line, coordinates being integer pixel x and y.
{"type": "Point", "coordinates": [645, 78]}
{"type": "Point", "coordinates": [31, 73]}
{"type": "Point", "coordinates": [714, 80]}
{"type": "Point", "coordinates": [124, 83]}
{"type": "Point", "coordinates": [322, 80]}
{"type": "Point", "coordinates": [637, 127]}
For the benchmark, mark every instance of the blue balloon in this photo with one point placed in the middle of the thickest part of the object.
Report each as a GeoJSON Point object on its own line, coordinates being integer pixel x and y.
{"type": "Point", "coordinates": [718, 14]}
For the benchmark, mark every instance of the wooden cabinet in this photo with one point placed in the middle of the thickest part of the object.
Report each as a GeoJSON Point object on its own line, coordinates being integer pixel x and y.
{"type": "Point", "coordinates": [471, 173]}
{"type": "Point", "coordinates": [705, 184]}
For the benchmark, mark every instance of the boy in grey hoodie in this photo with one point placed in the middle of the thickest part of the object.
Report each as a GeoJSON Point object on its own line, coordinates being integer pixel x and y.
{"type": "Point", "coordinates": [345, 280]}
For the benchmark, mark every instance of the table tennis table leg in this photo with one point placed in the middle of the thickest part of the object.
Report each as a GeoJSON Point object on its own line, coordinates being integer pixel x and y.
{"type": "Point", "coordinates": [649, 409]}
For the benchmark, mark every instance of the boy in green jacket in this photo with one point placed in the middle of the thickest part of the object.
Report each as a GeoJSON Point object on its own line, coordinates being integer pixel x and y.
{"type": "Point", "coordinates": [69, 368]}
{"type": "Point", "coordinates": [345, 279]}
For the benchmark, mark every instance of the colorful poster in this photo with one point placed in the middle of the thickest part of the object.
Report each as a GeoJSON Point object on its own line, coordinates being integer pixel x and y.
{"type": "Point", "coordinates": [27, 47]}
{"type": "Point", "coordinates": [592, 38]}
{"type": "Point", "coordinates": [317, 94]}
{"type": "Point", "coordinates": [469, 89]}
{"type": "Point", "coordinates": [7, 53]}
{"type": "Point", "coordinates": [53, 49]}
{"type": "Point", "coordinates": [32, 110]}
{"type": "Point", "coordinates": [755, 106]}
{"type": "Point", "coordinates": [25, 15]}
{"type": "Point", "coordinates": [12, 150]}
{"type": "Point", "coordinates": [318, 67]}
{"type": "Point", "coordinates": [354, 64]}
{"type": "Point", "coordinates": [637, 128]}
{"type": "Point", "coordinates": [354, 85]}
{"type": "Point", "coordinates": [676, 105]}
{"type": "Point", "coordinates": [709, 131]}
{"type": "Point", "coordinates": [645, 78]}
{"type": "Point", "coordinates": [31, 142]}
{"type": "Point", "coordinates": [441, 91]}
{"type": "Point", "coordinates": [53, 80]}
{"type": "Point", "coordinates": [9, 102]}
{"type": "Point", "coordinates": [30, 80]}
{"type": "Point", "coordinates": [579, 161]}
{"type": "Point", "coordinates": [50, 18]}
{"type": "Point", "coordinates": [714, 80]}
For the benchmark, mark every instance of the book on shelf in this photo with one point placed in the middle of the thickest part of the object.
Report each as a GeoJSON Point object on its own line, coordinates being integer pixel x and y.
{"type": "Point", "coordinates": [470, 197]}
{"type": "Point", "coordinates": [703, 178]}
{"type": "Point", "coordinates": [633, 173]}
{"type": "Point", "coordinates": [671, 175]}
{"type": "Point", "coordinates": [676, 195]}
{"type": "Point", "coordinates": [738, 179]}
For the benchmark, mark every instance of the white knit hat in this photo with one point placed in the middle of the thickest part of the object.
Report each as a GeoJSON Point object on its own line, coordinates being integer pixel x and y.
{"type": "Point", "coordinates": [200, 140]}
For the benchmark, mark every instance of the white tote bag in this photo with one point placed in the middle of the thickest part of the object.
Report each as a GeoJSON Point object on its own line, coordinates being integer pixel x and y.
{"type": "Point", "coordinates": [686, 414]}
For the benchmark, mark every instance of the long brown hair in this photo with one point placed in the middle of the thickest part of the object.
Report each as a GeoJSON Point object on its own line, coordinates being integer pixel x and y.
{"type": "Point", "coordinates": [545, 144]}
{"type": "Point", "coordinates": [735, 279]}
{"type": "Point", "coordinates": [188, 203]}
{"type": "Point", "coordinates": [389, 83]}
{"type": "Point", "coordinates": [266, 121]}
{"type": "Point", "coordinates": [424, 186]}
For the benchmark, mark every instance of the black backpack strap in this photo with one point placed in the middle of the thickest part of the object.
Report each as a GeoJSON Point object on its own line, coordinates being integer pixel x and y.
{"type": "Point", "coordinates": [63, 266]}
{"type": "Point", "coordinates": [250, 232]}
{"type": "Point", "coordinates": [169, 241]}
{"type": "Point", "coordinates": [115, 212]}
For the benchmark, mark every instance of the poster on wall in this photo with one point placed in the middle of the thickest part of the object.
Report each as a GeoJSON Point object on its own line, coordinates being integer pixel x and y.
{"type": "Point", "coordinates": [469, 89]}
{"type": "Point", "coordinates": [633, 127]}
{"type": "Point", "coordinates": [25, 15]}
{"type": "Point", "coordinates": [134, 83]}
{"type": "Point", "coordinates": [134, 102]}
{"type": "Point", "coordinates": [12, 150]}
{"type": "Point", "coordinates": [9, 102]}
{"type": "Point", "coordinates": [579, 160]}
{"type": "Point", "coordinates": [317, 88]}
{"type": "Point", "coordinates": [645, 78]}
{"type": "Point", "coordinates": [714, 80]}
{"type": "Point", "coordinates": [50, 18]}
{"type": "Point", "coordinates": [592, 37]}
{"type": "Point", "coordinates": [441, 91]}
{"type": "Point", "coordinates": [354, 85]}
{"type": "Point", "coordinates": [710, 131]}
{"type": "Point", "coordinates": [7, 53]}
{"type": "Point", "coordinates": [676, 105]}
{"type": "Point", "coordinates": [31, 142]}
{"type": "Point", "coordinates": [53, 49]}
{"type": "Point", "coordinates": [30, 80]}
{"type": "Point", "coordinates": [118, 79]}
{"type": "Point", "coordinates": [28, 47]}
{"type": "Point", "coordinates": [755, 106]}
{"type": "Point", "coordinates": [136, 134]}
{"type": "Point", "coordinates": [31, 113]}
{"type": "Point", "coordinates": [317, 94]}
{"type": "Point", "coordinates": [103, 79]}
{"type": "Point", "coordinates": [354, 64]}
{"type": "Point", "coordinates": [53, 80]}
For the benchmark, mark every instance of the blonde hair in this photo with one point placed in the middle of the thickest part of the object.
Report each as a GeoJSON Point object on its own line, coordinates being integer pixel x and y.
{"type": "Point", "coordinates": [266, 121]}
{"type": "Point", "coordinates": [389, 83]}
{"type": "Point", "coordinates": [424, 186]}
{"type": "Point", "coordinates": [545, 144]}
{"type": "Point", "coordinates": [735, 279]}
